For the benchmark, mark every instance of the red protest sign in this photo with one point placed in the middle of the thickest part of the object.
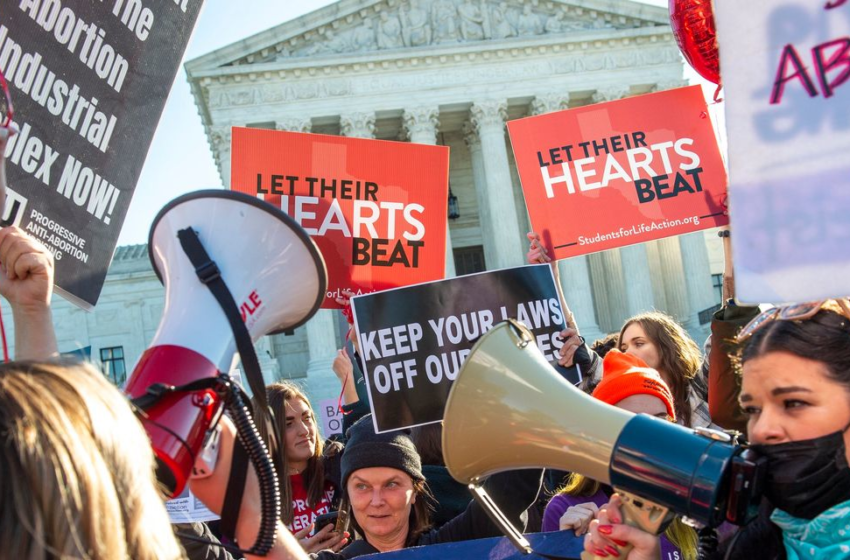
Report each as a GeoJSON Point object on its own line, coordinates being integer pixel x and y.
{"type": "Point", "coordinates": [376, 209]}
{"type": "Point", "coordinates": [622, 172]}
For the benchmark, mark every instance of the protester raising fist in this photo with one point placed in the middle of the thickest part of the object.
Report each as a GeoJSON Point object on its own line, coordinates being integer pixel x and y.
{"type": "Point", "coordinates": [26, 281]}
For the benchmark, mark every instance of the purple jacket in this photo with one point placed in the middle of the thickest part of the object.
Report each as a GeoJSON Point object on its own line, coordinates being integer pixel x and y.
{"type": "Point", "coordinates": [559, 504]}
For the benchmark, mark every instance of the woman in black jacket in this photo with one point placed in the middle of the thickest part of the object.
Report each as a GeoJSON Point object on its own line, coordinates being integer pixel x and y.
{"type": "Point", "coordinates": [383, 480]}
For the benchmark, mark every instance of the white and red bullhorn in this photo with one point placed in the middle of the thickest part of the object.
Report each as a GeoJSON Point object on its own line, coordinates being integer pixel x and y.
{"type": "Point", "coordinates": [277, 278]}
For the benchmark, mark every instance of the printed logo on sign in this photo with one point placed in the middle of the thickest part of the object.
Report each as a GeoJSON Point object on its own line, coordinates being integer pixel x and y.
{"type": "Point", "coordinates": [14, 209]}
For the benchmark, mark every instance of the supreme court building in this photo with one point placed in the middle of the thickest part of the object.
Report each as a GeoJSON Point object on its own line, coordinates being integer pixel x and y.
{"type": "Point", "coordinates": [452, 72]}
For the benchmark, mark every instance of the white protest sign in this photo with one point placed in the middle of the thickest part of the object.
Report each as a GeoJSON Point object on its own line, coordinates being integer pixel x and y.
{"type": "Point", "coordinates": [331, 417]}
{"type": "Point", "coordinates": [784, 67]}
{"type": "Point", "coordinates": [186, 508]}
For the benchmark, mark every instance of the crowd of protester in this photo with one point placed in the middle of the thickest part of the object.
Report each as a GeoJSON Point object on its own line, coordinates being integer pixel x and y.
{"type": "Point", "coordinates": [77, 474]}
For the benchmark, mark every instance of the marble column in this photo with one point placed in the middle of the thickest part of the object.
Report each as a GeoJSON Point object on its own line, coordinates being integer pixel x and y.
{"type": "Point", "coordinates": [421, 124]}
{"type": "Point", "coordinates": [611, 93]}
{"type": "Point", "coordinates": [322, 347]}
{"type": "Point", "coordinates": [479, 179]}
{"type": "Point", "coordinates": [321, 328]}
{"type": "Point", "coordinates": [294, 124]}
{"type": "Point", "coordinates": [574, 271]}
{"type": "Point", "coordinates": [358, 125]}
{"type": "Point", "coordinates": [291, 124]}
{"type": "Point", "coordinates": [220, 137]}
{"type": "Point", "coordinates": [489, 117]}
{"type": "Point", "coordinates": [617, 289]}
{"type": "Point", "coordinates": [697, 282]}
{"type": "Point", "coordinates": [265, 356]}
{"type": "Point", "coordinates": [670, 257]}
{"type": "Point", "coordinates": [638, 279]}
{"type": "Point", "coordinates": [637, 276]}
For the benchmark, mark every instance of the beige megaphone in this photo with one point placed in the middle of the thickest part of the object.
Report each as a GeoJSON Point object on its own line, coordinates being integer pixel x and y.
{"type": "Point", "coordinates": [509, 409]}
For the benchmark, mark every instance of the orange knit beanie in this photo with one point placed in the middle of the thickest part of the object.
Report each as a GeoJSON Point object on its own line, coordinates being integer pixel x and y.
{"type": "Point", "coordinates": [624, 375]}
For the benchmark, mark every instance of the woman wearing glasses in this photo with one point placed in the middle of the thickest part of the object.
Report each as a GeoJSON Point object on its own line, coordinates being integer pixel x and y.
{"type": "Point", "coordinates": [795, 391]}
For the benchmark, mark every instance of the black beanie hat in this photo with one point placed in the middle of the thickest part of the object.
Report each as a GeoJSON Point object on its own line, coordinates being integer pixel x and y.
{"type": "Point", "coordinates": [364, 448]}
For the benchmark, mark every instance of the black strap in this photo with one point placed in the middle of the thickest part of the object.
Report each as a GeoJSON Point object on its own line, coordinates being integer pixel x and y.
{"type": "Point", "coordinates": [235, 488]}
{"type": "Point", "coordinates": [158, 390]}
{"type": "Point", "coordinates": [209, 274]}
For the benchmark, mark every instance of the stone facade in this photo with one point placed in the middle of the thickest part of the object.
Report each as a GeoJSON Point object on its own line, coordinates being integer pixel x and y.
{"type": "Point", "coordinates": [434, 71]}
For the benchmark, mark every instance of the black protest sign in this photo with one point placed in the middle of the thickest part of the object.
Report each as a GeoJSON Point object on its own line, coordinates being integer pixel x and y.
{"type": "Point", "coordinates": [414, 340]}
{"type": "Point", "coordinates": [89, 80]}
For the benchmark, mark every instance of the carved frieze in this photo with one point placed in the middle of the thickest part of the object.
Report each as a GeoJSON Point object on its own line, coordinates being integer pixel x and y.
{"type": "Point", "coordinates": [420, 23]}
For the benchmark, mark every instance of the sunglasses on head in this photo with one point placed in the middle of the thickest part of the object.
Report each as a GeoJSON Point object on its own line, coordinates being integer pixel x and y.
{"type": "Point", "coordinates": [6, 110]}
{"type": "Point", "coordinates": [795, 312]}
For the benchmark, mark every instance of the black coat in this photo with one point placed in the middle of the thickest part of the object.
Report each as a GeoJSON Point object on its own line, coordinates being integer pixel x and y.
{"type": "Point", "coordinates": [513, 491]}
{"type": "Point", "coordinates": [759, 539]}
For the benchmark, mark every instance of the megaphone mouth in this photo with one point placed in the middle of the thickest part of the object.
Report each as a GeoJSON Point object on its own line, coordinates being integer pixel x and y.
{"type": "Point", "coordinates": [265, 207]}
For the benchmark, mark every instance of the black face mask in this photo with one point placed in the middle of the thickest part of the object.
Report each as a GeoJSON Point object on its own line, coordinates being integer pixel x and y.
{"type": "Point", "coordinates": [806, 478]}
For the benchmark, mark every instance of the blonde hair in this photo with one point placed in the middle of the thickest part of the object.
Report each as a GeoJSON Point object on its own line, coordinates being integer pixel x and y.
{"type": "Point", "coordinates": [76, 469]}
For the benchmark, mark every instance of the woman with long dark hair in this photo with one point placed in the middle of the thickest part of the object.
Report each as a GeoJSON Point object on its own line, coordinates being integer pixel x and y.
{"type": "Point", "coordinates": [664, 345]}
{"type": "Point", "coordinates": [305, 467]}
{"type": "Point", "coordinates": [795, 391]}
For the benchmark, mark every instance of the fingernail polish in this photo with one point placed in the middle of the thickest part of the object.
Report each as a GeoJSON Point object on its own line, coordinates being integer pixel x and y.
{"type": "Point", "coordinates": [612, 551]}
{"type": "Point", "coordinates": [616, 520]}
{"type": "Point", "coordinates": [619, 542]}
{"type": "Point", "coordinates": [601, 553]}
{"type": "Point", "coordinates": [605, 529]}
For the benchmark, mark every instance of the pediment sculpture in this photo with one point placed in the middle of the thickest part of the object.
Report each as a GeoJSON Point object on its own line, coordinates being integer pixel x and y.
{"type": "Point", "coordinates": [423, 23]}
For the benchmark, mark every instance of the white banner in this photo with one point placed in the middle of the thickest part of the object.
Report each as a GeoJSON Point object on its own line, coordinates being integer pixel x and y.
{"type": "Point", "coordinates": [331, 417]}
{"type": "Point", "coordinates": [784, 67]}
{"type": "Point", "coordinates": [186, 508]}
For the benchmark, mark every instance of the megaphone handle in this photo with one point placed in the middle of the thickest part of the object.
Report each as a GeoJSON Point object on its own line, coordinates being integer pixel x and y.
{"type": "Point", "coordinates": [499, 519]}
{"type": "Point", "coordinates": [640, 513]}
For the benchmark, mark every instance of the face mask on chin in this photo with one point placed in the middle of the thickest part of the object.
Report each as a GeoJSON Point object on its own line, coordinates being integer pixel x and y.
{"type": "Point", "coordinates": [807, 477]}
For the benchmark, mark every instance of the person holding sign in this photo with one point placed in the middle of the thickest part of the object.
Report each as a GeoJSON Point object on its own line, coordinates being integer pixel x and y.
{"type": "Point", "coordinates": [382, 477]}
{"type": "Point", "coordinates": [795, 391]}
{"type": "Point", "coordinates": [304, 468]}
{"type": "Point", "coordinates": [659, 341]}
{"type": "Point", "coordinates": [629, 384]}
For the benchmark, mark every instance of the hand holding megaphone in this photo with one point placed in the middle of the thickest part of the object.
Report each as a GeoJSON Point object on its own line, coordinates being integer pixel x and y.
{"type": "Point", "coordinates": [608, 533]}
{"type": "Point", "coordinates": [235, 269]}
{"type": "Point", "coordinates": [509, 409]}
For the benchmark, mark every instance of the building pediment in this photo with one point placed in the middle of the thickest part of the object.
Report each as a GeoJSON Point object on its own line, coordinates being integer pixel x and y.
{"type": "Point", "coordinates": [352, 28]}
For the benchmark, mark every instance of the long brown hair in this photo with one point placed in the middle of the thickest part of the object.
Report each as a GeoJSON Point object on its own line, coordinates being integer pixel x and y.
{"type": "Point", "coordinates": [278, 394]}
{"type": "Point", "coordinates": [76, 469]}
{"type": "Point", "coordinates": [680, 357]}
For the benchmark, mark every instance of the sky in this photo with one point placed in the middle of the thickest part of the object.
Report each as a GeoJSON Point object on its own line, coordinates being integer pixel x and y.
{"type": "Point", "coordinates": [179, 159]}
